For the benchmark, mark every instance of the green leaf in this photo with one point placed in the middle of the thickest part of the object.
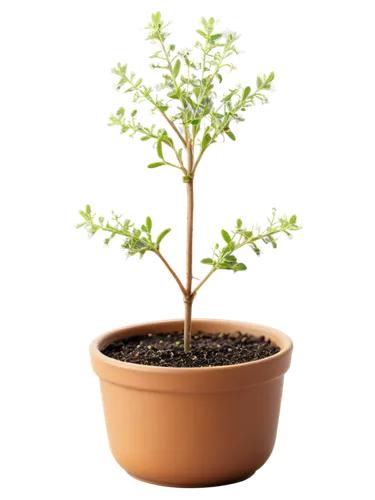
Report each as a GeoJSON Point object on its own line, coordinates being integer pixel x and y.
{"type": "Point", "coordinates": [144, 228]}
{"type": "Point", "coordinates": [148, 224]}
{"type": "Point", "coordinates": [120, 112]}
{"type": "Point", "coordinates": [145, 138]}
{"type": "Point", "coordinates": [293, 219]}
{"type": "Point", "coordinates": [161, 236]}
{"type": "Point", "coordinates": [84, 215]}
{"type": "Point", "coordinates": [88, 208]}
{"type": "Point", "coordinates": [207, 261]}
{"type": "Point", "coordinates": [196, 91]}
{"type": "Point", "coordinates": [201, 33]}
{"type": "Point", "coordinates": [271, 77]}
{"type": "Point", "coordinates": [134, 112]}
{"type": "Point", "coordinates": [191, 102]}
{"type": "Point", "coordinates": [239, 267]}
{"type": "Point", "coordinates": [220, 78]}
{"type": "Point", "coordinates": [239, 222]}
{"type": "Point", "coordinates": [159, 149]}
{"type": "Point", "coordinates": [194, 122]}
{"type": "Point", "coordinates": [172, 47]}
{"type": "Point", "coordinates": [246, 93]}
{"type": "Point", "coordinates": [83, 226]}
{"type": "Point", "coordinates": [179, 157]}
{"type": "Point", "coordinates": [206, 140]}
{"type": "Point", "coordinates": [275, 243]}
{"type": "Point", "coordinates": [225, 236]}
{"type": "Point", "coordinates": [153, 166]}
{"type": "Point", "coordinates": [231, 258]}
{"type": "Point", "coordinates": [230, 135]}
{"type": "Point", "coordinates": [176, 68]}
{"type": "Point", "coordinates": [261, 81]}
{"type": "Point", "coordinates": [213, 38]}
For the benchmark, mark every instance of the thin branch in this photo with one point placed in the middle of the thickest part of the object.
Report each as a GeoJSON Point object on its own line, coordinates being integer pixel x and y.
{"type": "Point", "coordinates": [194, 292]}
{"type": "Point", "coordinates": [200, 158]}
{"type": "Point", "coordinates": [174, 128]}
{"type": "Point", "coordinates": [182, 288]}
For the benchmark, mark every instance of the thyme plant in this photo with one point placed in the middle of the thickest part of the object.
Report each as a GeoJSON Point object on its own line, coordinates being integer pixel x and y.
{"type": "Point", "coordinates": [187, 100]}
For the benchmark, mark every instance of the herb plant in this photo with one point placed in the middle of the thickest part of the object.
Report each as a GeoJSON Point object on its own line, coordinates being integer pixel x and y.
{"type": "Point", "coordinates": [187, 99]}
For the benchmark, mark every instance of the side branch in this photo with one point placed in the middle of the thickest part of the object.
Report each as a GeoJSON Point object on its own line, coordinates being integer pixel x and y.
{"type": "Point", "coordinates": [194, 292]}
{"type": "Point", "coordinates": [174, 128]}
{"type": "Point", "coordinates": [182, 288]}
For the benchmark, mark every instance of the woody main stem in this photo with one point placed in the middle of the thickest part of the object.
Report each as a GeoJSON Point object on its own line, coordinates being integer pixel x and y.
{"type": "Point", "coordinates": [188, 299]}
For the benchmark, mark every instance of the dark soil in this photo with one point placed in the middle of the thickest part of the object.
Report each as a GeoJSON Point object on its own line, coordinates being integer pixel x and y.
{"type": "Point", "coordinates": [207, 350]}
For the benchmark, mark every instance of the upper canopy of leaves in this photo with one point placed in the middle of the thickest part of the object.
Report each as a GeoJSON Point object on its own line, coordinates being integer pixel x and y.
{"type": "Point", "coordinates": [189, 79]}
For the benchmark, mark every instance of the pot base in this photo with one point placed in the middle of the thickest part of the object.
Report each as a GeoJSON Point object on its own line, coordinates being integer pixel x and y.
{"type": "Point", "coordinates": [197, 485]}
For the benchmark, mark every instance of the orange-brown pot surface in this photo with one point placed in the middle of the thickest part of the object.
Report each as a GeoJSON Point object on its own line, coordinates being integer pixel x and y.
{"type": "Point", "coordinates": [191, 426]}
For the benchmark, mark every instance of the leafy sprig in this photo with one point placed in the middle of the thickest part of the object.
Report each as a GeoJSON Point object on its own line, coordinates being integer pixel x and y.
{"type": "Point", "coordinates": [137, 241]}
{"type": "Point", "coordinates": [223, 258]}
{"type": "Point", "coordinates": [194, 94]}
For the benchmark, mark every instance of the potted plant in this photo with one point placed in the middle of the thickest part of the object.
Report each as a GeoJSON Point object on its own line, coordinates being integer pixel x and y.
{"type": "Point", "coordinates": [169, 388]}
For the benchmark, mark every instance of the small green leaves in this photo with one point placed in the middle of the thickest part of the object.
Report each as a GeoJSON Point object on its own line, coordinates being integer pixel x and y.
{"type": "Point", "coordinates": [137, 241]}
{"type": "Point", "coordinates": [206, 140]}
{"type": "Point", "coordinates": [197, 92]}
{"type": "Point", "coordinates": [88, 208]}
{"type": "Point", "coordinates": [120, 112]}
{"type": "Point", "coordinates": [148, 224]}
{"type": "Point", "coordinates": [264, 82]}
{"type": "Point", "coordinates": [176, 68]}
{"type": "Point", "coordinates": [207, 261]}
{"type": "Point", "coordinates": [154, 165]}
{"type": "Point", "coordinates": [161, 236]}
{"type": "Point", "coordinates": [239, 267]}
{"type": "Point", "coordinates": [246, 93]}
{"type": "Point", "coordinates": [121, 70]}
{"type": "Point", "coordinates": [216, 37]}
{"type": "Point", "coordinates": [239, 223]}
{"type": "Point", "coordinates": [201, 33]}
{"type": "Point", "coordinates": [226, 236]}
{"type": "Point", "coordinates": [144, 139]}
{"type": "Point", "coordinates": [156, 18]}
{"type": "Point", "coordinates": [293, 219]}
{"type": "Point", "coordinates": [230, 135]}
{"type": "Point", "coordinates": [224, 259]}
{"type": "Point", "coordinates": [159, 149]}
{"type": "Point", "coordinates": [231, 258]}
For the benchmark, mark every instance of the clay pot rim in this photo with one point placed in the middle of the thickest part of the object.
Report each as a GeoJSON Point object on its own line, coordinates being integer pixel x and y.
{"type": "Point", "coordinates": [102, 340]}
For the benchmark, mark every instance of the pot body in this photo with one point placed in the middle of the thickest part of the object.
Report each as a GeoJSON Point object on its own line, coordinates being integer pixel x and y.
{"type": "Point", "coordinates": [191, 427]}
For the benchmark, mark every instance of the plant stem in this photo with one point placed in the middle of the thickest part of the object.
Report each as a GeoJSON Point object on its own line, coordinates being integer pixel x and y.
{"type": "Point", "coordinates": [172, 272]}
{"type": "Point", "coordinates": [187, 324]}
{"type": "Point", "coordinates": [189, 244]}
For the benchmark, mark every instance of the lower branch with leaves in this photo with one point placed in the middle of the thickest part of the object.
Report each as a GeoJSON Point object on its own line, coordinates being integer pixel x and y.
{"type": "Point", "coordinates": [139, 241]}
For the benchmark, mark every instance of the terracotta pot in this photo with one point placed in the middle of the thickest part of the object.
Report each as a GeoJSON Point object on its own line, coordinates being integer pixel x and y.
{"type": "Point", "coordinates": [191, 426]}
